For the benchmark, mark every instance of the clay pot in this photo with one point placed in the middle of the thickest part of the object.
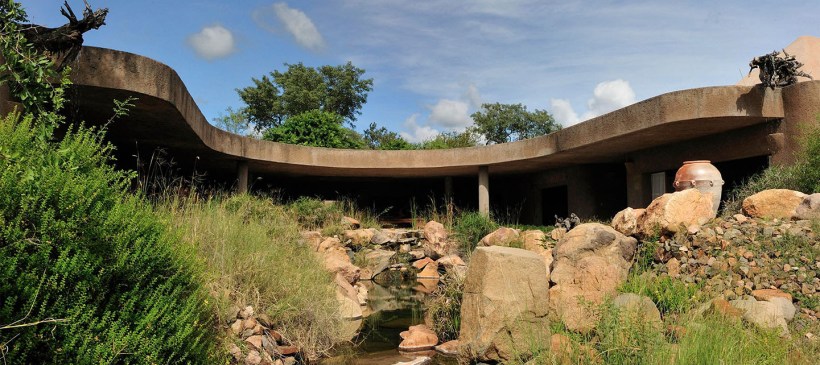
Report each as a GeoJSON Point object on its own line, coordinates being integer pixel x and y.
{"type": "Point", "coordinates": [701, 175]}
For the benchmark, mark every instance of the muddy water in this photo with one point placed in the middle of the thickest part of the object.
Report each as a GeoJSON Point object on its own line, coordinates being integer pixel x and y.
{"type": "Point", "coordinates": [391, 309]}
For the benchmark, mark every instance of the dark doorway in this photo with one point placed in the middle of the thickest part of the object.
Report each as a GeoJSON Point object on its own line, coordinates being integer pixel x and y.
{"type": "Point", "coordinates": [554, 202]}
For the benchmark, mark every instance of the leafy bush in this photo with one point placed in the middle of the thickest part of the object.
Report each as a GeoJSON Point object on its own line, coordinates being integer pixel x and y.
{"type": "Point", "coordinates": [88, 274]}
{"type": "Point", "coordinates": [313, 213]}
{"type": "Point", "coordinates": [470, 227]}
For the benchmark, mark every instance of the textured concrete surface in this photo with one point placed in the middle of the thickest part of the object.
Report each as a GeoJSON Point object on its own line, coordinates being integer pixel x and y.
{"type": "Point", "coordinates": [167, 115]}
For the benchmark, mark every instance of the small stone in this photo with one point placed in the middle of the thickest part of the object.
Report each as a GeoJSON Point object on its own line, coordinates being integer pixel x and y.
{"type": "Point", "coordinates": [253, 358]}
{"type": "Point", "coordinates": [236, 327]}
{"type": "Point", "coordinates": [787, 267]}
{"type": "Point", "coordinates": [673, 267]}
{"type": "Point", "coordinates": [449, 347]}
{"type": "Point", "coordinates": [249, 323]}
{"type": "Point", "coordinates": [255, 341]}
{"type": "Point", "coordinates": [235, 351]}
{"type": "Point", "coordinates": [809, 336]}
{"type": "Point", "coordinates": [740, 218]}
{"type": "Point", "coordinates": [287, 350]}
{"type": "Point", "coordinates": [246, 313]}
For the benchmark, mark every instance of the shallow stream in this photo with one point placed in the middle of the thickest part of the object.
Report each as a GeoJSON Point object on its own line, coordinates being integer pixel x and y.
{"type": "Point", "coordinates": [391, 309]}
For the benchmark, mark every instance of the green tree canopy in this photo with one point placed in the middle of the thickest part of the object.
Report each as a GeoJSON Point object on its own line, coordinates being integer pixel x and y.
{"type": "Point", "coordinates": [501, 123]}
{"type": "Point", "coordinates": [315, 128]}
{"type": "Point", "coordinates": [234, 121]}
{"type": "Point", "coordinates": [336, 89]}
{"type": "Point", "coordinates": [380, 138]}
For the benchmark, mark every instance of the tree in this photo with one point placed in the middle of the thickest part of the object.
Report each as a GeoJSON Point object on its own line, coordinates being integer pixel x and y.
{"type": "Point", "coordinates": [336, 89]}
{"type": "Point", "coordinates": [315, 128]}
{"type": "Point", "coordinates": [379, 138]}
{"type": "Point", "coordinates": [501, 123]}
{"type": "Point", "coordinates": [235, 121]}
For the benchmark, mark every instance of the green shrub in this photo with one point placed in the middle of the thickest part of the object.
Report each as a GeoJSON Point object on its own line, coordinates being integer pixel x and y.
{"type": "Point", "coordinates": [470, 227]}
{"type": "Point", "coordinates": [88, 274]}
{"type": "Point", "coordinates": [313, 213]}
{"type": "Point", "coordinates": [628, 339]}
{"type": "Point", "coordinates": [718, 340]}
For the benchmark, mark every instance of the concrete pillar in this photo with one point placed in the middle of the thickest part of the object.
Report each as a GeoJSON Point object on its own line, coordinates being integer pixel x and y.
{"type": "Point", "coordinates": [634, 186]}
{"type": "Point", "coordinates": [242, 177]}
{"type": "Point", "coordinates": [484, 190]}
{"type": "Point", "coordinates": [448, 188]}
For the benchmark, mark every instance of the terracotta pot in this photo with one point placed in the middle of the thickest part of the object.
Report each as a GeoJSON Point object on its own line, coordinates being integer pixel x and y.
{"type": "Point", "coordinates": [701, 175]}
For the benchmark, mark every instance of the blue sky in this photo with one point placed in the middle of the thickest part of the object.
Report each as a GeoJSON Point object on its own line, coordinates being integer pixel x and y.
{"type": "Point", "coordinates": [434, 62]}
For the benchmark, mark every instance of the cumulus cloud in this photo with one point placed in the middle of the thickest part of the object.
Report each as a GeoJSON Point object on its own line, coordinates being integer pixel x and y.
{"type": "Point", "coordinates": [212, 42]}
{"type": "Point", "coordinates": [607, 96]}
{"type": "Point", "coordinates": [450, 114]}
{"type": "Point", "coordinates": [416, 133]}
{"type": "Point", "coordinates": [296, 22]}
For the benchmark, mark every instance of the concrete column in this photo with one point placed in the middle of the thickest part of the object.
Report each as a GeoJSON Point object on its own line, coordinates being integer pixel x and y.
{"type": "Point", "coordinates": [484, 190]}
{"type": "Point", "coordinates": [448, 188]}
{"type": "Point", "coordinates": [242, 177]}
{"type": "Point", "coordinates": [634, 186]}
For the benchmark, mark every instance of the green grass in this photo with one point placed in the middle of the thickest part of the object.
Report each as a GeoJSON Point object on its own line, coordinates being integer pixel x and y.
{"type": "Point", "coordinates": [469, 228]}
{"type": "Point", "coordinates": [444, 307]}
{"type": "Point", "coordinates": [253, 256]}
{"type": "Point", "coordinates": [669, 295]}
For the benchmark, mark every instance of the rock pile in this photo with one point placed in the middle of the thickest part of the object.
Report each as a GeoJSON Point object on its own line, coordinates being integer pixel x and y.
{"type": "Point", "coordinates": [262, 344]}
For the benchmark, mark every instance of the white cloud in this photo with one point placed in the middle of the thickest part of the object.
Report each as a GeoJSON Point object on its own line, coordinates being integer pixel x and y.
{"type": "Point", "coordinates": [607, 96]}
{"type": "Point", "coordinates": [563, 113]}
{"type": "Point", "coordinates": [416, 132]}
{"type": "Point", "coordinates": [451, 114]}
{"type": "Point", "coordinates": [212, 42]}
{"type": "Point", "coordinates": [299, 25]}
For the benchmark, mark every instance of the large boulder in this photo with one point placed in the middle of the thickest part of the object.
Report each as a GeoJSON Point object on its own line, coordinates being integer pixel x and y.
{"type": "Point", "coordinates": [436, 243]}
{"type": "Point", "coordinates": [763, 314]}
{"type": "Point", "coordinates": [626, 221]}
{"type": "Point", "coordinates": [505, 302]}
{"type": "Point", "coordinates": [348, 298]}
{"type": "Point", "coordinates": [590, 262]}
{"type": "Point", "coordinates": [673, 212]}
{"type": "Point", "coordinates": [809, 208]}
{"type": "Point", "coordinates": [377, 260]}
{"type": "Point", "coordinates": [500, 237]}
{"type": "Point", "coordinates": [336, 260]}
{"type": "Point", "coordinates": [773, 203]}
{"type": "Point", "coordinates": [359, 237]}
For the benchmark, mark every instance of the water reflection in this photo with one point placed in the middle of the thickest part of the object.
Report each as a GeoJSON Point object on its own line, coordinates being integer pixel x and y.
{"type": "Point", "coordinates": [393, 305]}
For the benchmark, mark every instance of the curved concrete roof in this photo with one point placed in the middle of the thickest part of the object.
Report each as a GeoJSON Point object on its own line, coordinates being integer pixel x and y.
{"type": "Point", "coordinates": [166, 114]}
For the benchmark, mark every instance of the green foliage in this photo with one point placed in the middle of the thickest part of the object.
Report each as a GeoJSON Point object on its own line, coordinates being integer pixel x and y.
{"type": "Point", "coordinates": [502, 123]}
{"type": "Point", "coordinates": [450, 140]}
{"type": "Point", "coordinates": [334, 89]}
{"type": "Point", "coordinates": [470, 227]}
{"type": "Point", "coordinates": [28, 73]}
{"type": "Point", "coordinates": [626, 338]}
{"type": "Point", "coordinates": [314, 128]}
{"type": "Point", "coordinates": [253, 255]}
{"type": "Point", "coordinates": [718, 340]}
{"type": "Point", "coordinates": [88, 274]}
{"type": "Point", "coordinates": [313, 213]}
{"type": "Point", "coordinates": [379, 138]}
{"type": "Point", "coordinates": [444, 308]}
{"type": "Point", "coordinates": [234, 121]}
{"type": "Point", "coordinates": [669, 295]}
{"type": "Point", "coordinates": [803, 176]}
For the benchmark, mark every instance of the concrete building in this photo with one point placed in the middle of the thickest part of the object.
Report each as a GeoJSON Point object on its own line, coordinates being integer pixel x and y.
{"type": "Point", "coordinates": [594, 168]}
